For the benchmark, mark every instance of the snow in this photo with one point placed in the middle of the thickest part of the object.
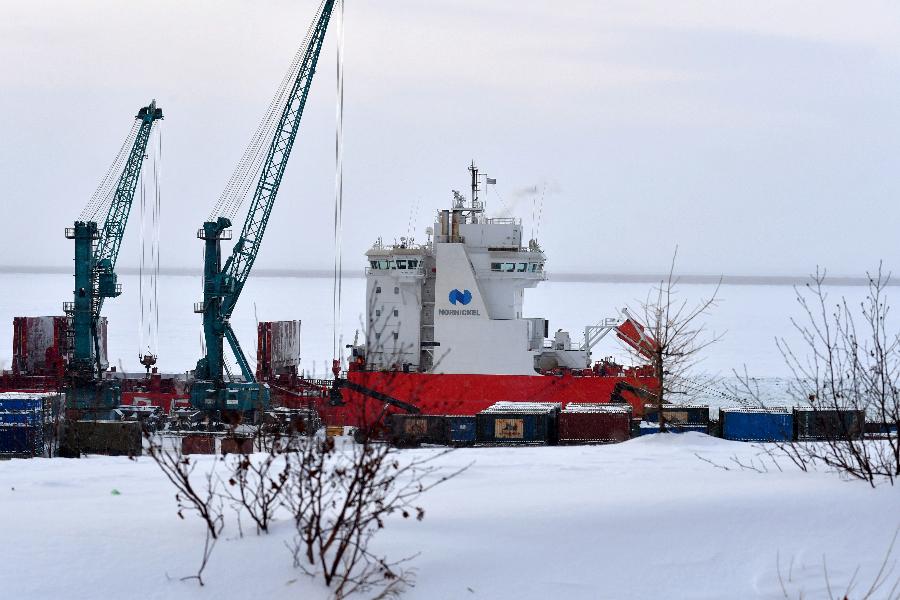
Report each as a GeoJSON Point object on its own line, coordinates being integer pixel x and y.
{"type": "Point", "coordinates": [645, 518]}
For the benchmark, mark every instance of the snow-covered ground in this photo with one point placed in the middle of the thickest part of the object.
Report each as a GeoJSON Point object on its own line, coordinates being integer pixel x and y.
{"type": "Point", "coordinates": [642, 519]}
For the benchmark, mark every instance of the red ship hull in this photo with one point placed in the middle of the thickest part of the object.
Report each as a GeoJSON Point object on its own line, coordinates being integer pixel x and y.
{"type": "Point", "coordinates": [464, 394]}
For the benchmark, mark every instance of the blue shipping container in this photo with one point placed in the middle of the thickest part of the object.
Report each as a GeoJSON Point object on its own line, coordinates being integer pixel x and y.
{"type": "Point", "coordinates": [462, 430]}
{"type": "Point", "coordinates": [20, 403]}
{"type": "Point", "coordinates": [20, 417]}
{"type": "Point", "coordinates": [27, 441]}
{"type": "Point", "coordinates": [757, 425]}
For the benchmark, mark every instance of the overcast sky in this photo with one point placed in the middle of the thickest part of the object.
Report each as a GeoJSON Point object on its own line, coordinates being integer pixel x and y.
{"type": "Point", "coordinates": [761, 137]}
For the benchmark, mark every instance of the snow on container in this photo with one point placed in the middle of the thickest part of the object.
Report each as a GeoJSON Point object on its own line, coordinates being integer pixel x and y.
{"type": "Point", "coordinates": [649, 428]}
{"type": "Point", "coordinates": [773, 424]}
{"type": "Point", "coordinates": [679, 414]}
{"type": "Point", "coordinates": [823, 424]}
{"type": "Point", "coordinates": [462, 430]}
{"type": "Point", "coordinates": [412, 430]}
{"type": "Point", "coordinates": [113, 438]}
{"type": "Point", "coordinates": [586, 423]}
{"type": "Point", "coordinates": [198, 443]}
{"type": "Point", "coordinates": [518, 423]}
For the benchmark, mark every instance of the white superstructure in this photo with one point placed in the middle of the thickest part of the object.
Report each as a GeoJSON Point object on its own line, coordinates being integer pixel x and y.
{"type": "Point", "coordinates": [455, 304]}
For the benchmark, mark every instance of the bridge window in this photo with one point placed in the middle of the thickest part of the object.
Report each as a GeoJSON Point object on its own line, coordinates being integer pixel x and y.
{"type": "Point", "coordinates": [495, 266]}
{"type": "Point", "coordinates": [413, 264]}
{"type": "Point", "coordinates": [509, 267]}
{"type": "Point", "coordinates": [401, 263]}
{"type": "Point", "coordinates": [374, 264]}
{"type": "Point", "coordinates": [521, 268]}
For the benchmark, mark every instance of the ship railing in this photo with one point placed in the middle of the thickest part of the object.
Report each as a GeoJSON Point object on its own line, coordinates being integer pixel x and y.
{"type": "Point", "coordinates": [502, 220]}
{"type": "Point", "coordinates": [411, 273]}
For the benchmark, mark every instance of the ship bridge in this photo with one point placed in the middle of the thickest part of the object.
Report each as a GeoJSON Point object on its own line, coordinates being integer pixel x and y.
{"type": "Point", "coordinates": [455, 303]}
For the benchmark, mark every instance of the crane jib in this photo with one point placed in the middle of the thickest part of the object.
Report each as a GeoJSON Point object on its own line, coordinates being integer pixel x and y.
{"type": "Point", "coordinates": [223, 285]}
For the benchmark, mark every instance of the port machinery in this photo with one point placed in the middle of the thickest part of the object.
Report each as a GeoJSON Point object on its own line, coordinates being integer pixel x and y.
{"type": "Point", "coordinates": [96, 253]}
{"type": "Point", "coordinates": [214, 390]}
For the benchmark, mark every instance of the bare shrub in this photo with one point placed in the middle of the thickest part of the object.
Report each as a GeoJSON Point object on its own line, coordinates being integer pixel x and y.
{"type": "Point", "coordinates": [255, 483]}
{"type": "Point", "coordinates": [845, 372]}
{"type": "Point", "coordinates": [341, 497]}
{"type": "Point", "coordinates": [678, 338]}
{"type": "Point", "coordinates": [195, 493]}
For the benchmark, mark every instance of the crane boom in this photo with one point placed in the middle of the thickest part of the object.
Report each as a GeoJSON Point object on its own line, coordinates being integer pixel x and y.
{"type": "Point", "coordinates": [223, 284]}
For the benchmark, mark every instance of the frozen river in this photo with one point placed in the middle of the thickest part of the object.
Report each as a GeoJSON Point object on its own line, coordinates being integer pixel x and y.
{"type": "Point", "coordinates": [748, 317]}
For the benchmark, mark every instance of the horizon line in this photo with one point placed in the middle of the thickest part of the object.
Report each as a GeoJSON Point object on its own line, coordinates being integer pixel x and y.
{"type": "Point", "coordinates": [564, 277]}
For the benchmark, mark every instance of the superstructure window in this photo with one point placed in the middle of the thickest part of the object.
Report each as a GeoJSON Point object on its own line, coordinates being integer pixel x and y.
{"type": "Point", "coordinates": [377, 312]}
{"type": "Point", "coordinates": [396, 335]}
{"type": "Point", "coordinates": [396, 313]}
{"type": "Point", "coordinates": [378, 289]}
{"type": "Point", "coordinates": [396, 290]}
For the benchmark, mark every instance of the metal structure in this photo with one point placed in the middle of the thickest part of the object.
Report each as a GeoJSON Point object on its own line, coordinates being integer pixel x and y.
{"type": "Point", "coordinates": [222, 284]}
{"type": "Point", "coordinates": [96, 252]}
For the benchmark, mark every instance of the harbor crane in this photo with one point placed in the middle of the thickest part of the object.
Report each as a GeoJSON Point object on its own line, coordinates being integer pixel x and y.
{"type": "Point", "coordinates": [96, 253]}
{"type": "Point", "coordinates": [222, 284]}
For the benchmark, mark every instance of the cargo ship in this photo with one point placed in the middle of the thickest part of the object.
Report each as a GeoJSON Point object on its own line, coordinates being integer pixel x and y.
{"type": "Point", "coordinates": [446, 330]}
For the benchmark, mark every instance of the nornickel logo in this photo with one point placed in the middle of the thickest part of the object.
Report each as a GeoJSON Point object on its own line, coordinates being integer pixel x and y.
{"type": "Point", "coordinates": [462, 297]}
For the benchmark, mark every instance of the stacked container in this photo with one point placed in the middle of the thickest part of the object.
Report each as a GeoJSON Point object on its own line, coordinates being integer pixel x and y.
{"type": "Point", "coordinates": [28, 423]}
{"type": "Point", "coordinates": [678, 417]}
{"type": "Point", "coordinates": [592, 423]}
{"type": "Point", "coordinates": [518, 423]}
{"type": "Point", "coordinates": [772, 424]}
{"type": "Point", "coordinates": [824, 424]}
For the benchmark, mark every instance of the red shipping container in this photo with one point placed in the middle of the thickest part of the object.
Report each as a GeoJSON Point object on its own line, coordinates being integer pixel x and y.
{"type": "Point", "coordinates": [581, 423]}
{"type": "Point", "coordinates": [198, 444]}
{"type": "Point", "coordinates": [233, 445]}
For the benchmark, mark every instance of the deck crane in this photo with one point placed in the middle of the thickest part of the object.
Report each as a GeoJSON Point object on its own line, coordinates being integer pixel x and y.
{"type": "Point", "coordinates": [96, 252]}
{"type": "Point", "coordinates": [222, 284]}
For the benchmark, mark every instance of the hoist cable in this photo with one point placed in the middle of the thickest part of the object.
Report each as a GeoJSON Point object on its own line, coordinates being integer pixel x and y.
{"type": "Point", "coordinates": [103, 194]}
{"type": "Point", "coordinates": [338, 187]}
{"type": "Point", "coordinates": [254, 154]}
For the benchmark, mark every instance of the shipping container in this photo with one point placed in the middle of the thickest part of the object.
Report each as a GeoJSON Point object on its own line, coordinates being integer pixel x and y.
{"type": "Point", "coordinates": [679, 414]}
{"type": "Point", "coordinates": [828, 424]}
{"type": "Point", "coordinates": [518, 423]}
{"type": "Point", "coordinates": [237, 445]}
{"type": "Point", "coordinates": [412, 430]}
{"type": "Point", "coordinates": [29, 421]}
{"type": "Point", "coordinates": [462, 430]}
{"type": "Point", "coordinates": [39, 345]}
{"type": "Point", "coordinates": [278, 348]}
{"type": "Point", "coordinates": [112, 438]}
{"type": "Point", "coordinates": [20, 441]}
{"type": "Point", "coordinates": [198, 444]}
{"type": "Point", "coordinates": [584, 423]}
{"type": "Point", "coordinates": [773, 424]}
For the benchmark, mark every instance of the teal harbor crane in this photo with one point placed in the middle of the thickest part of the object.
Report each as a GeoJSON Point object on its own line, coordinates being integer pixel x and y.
{"type": "Point", "coordinates": [96, 252]}
{"type": "Point", "coordinates": [222, 285]}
